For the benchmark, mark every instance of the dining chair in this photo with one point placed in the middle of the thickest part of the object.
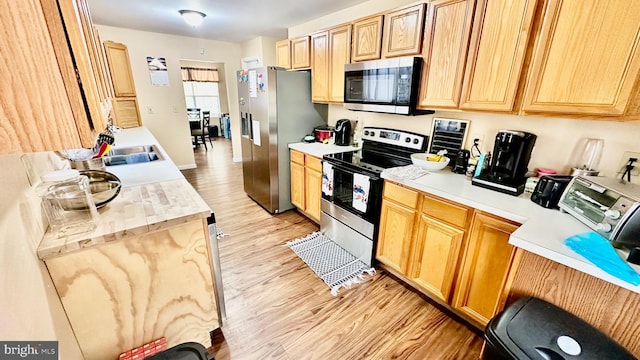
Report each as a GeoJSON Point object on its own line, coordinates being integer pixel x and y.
{"type": "Point", "coordinates": [202, 132]}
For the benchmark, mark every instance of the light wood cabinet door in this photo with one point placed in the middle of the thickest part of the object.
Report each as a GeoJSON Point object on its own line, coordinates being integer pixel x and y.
{"type": "Point", "coordinates": [120, 67]}
{"type": "Point", "coordinates": [313, 193]}
{"type": "Point", "coordinates": [52, 78]}
{"type": "Point", "coordinates": [487, 260]}
{"type": "Point", "coordinates": [297, 181]}
{"type": "Point", "coordinates": [367, 38]}
{"type": "Point", "coordinates": [395, 235]}
{"type": "Point", "coordinates": [499, 39]}
{"type": "Point", "coordinates": [339, 55]}
{"type": "Point", "coordinates": [300, 53]}
{"type": "Point", "coordinates": [283, 54]}
{"type": "Point", "coordinates": [126, 112]}
{"type": "Point", "coordinates": [320, 66]}
{"type": "Point", "coordinates": [435, 256]}
{"type": "Point", "coordinates": [447, 35]}
{"type": "Point", "coordinates": [586, 59]}
{"type": "Point", "coordinates": [403, 29]}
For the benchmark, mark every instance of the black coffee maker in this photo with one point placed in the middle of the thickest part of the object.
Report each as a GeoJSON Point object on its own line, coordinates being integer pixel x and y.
{"type": "Point", "coordinates": [506, 171]}
{"type": "Point", "coordinates": [342, 132]}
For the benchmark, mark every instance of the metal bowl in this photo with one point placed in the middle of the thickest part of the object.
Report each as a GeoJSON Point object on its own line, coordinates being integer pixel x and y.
{"type": "Point", "coordinates": [104, 186]}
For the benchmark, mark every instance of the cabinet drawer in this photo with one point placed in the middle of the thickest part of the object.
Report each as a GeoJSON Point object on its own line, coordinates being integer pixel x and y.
{"type": "Point", "coordinates": [453, 214]}
{"type": "Point", "coordinates": [313, 163]}
{"type": "Point", "coordinates": [297, 157]}
{"type": "Point", "coordinates": [401, 195]}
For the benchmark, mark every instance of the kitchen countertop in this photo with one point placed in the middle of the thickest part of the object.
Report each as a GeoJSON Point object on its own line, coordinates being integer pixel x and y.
{"type": "Point", "coordinates": [154, 196]}
{"type": "Point", "coordinates": [542, 232]}
{"type": "Point", "coordinates": [319, 149]}
{"type": "Point", "coordinates": [143, 173]}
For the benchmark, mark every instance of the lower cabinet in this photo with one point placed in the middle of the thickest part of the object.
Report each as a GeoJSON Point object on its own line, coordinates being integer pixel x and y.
{"type": "Point", "coordinates": [456, 255]}
{"type": "Point", "coordinates": [487, 262]}
{"type": "Point", "coordinates": [306, 183]}
{"type": "Point", "coordinates": [397, 220]}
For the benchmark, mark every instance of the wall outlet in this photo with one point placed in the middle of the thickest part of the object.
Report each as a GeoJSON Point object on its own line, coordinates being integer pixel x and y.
{"type": "Point", "coordinates": [625, 160]}
{"type": "Point", "coordinates": [149, 110]}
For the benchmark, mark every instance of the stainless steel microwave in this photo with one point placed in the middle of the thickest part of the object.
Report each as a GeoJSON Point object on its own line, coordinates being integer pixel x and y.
{"type": "Point", "coordinates": [386, 86]}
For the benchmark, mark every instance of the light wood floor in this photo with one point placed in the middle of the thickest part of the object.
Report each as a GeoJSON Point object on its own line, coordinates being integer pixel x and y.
{"type": "Point", "coordinates": [278, 309]}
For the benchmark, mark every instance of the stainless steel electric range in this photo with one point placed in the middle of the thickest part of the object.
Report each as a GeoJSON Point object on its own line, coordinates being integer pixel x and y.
{"type": "Point", "coordinates": [352, 187]}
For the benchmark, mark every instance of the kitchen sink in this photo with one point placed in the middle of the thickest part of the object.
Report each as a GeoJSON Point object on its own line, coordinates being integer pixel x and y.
{"type": "Point", "coordinates": [132, 155]}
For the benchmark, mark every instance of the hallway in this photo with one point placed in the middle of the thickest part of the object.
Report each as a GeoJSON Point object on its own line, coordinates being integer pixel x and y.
{"type": "Point", "coordinates": [278, 309]}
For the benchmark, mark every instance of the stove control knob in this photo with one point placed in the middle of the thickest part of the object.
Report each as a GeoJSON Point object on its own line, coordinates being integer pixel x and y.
{"type": "Point", "coordinates": [366, 132]}
{"type": "Point", "coordinates": [612, 214]}
{"type": "Point", "coordinates": [604, 227]}
{"type": "Point", "coordinates": [416, 141]}
{"type": "Point", "coordinates": [407, 139]}
{"type": "Point", "coordinates": [373, 133]}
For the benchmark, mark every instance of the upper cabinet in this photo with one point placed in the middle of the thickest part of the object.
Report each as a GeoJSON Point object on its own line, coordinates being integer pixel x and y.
{"type": "Point", "coordinates": [501, 31]}
{"type": "Point", "coordinates": [283, 54]}
{"type": "Point", "coordinates": [300, 50]}
{"type": "Point", "coordinates": [586, 59]}
{"type": "Point", "coordinates": [367, 38]}
{"type": "Point", "coordinates": [320, 66]}
{"type": "Point", "coordinates": [403, 30]}
{"type": "Point", "coordinates": [446, 42]}
{"type": "Point", "coordinates": [339, 55]}
{"type": "Point", "coordinates": [121, 76]}
{"type": "Point", "coordinates": [330, 51]}
{"type": "Point", "coordinates": [49, 99]}
{"type": "Point", "coordinates": [125, 104]}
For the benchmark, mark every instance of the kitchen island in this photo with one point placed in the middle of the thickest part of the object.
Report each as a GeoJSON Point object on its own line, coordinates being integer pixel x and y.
{"type": "Point", "coordinates": [146, 271]}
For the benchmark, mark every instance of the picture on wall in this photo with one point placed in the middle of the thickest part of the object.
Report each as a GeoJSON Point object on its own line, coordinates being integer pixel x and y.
{"type": "Point", "coordinates": [158, 71]}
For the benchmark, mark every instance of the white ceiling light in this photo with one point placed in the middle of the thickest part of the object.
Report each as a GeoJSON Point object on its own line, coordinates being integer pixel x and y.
{"type": "Point", "coordinates": [192, 17]}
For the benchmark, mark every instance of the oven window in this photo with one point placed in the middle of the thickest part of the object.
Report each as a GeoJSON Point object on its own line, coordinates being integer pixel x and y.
{"type": "Point", "coordinates": [377, 86]}
{"type": "Point", "coordinates": [590, 204]}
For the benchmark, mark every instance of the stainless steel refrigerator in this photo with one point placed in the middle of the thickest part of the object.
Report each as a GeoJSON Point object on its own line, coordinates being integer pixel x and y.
{"type": "Point", "coordinates": [275, 110]}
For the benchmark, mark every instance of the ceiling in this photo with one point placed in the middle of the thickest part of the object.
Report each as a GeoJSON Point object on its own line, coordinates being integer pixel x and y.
{"type": "Point", "coordinates": [226, 20]}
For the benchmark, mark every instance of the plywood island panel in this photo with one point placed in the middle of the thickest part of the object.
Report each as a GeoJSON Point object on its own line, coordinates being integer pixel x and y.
{"type": "Point", "coordinates": [125, 293]}
{"type": "Point", "coordinates": [608, 307]}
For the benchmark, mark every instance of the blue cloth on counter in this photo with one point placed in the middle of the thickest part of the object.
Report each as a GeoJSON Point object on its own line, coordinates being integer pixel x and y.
{"type": "Point", "coordinates": [599, 251]}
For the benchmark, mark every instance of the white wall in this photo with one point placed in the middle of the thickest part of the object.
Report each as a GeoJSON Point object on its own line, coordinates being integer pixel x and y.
{"type": "Point", "coordinates": [163, 109]}
{"type": "Point", "coordinates": [29, 306]}
{"type": "Point", "coordinates": [557, 137]}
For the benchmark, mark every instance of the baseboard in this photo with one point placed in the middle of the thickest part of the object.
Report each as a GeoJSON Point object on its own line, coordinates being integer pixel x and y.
{"type": "Point", "coordinates": [188, 166]}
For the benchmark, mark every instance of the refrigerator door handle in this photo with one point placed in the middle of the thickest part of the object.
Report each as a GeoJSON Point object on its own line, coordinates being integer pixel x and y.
{"type": "Point", "coordinates": [250, 121]}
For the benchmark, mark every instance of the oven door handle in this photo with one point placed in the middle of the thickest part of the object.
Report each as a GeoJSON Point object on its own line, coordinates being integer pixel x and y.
{"type": "Point", "coordinates": [335, 165]}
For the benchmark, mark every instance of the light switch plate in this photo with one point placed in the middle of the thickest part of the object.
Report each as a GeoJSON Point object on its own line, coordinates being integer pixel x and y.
{"type": "Point", "coordinates": [625, 159]}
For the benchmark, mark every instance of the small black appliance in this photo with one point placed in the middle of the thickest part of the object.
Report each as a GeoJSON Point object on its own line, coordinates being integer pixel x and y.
{"type": "Point", "coordinates": [549, 190]}
{"type": "Point", "coordinates": [462, 162]}
{"type": "Point", "coordinates": [342, 132]}
{"type": "Point", "coordinates": [506, 172]}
